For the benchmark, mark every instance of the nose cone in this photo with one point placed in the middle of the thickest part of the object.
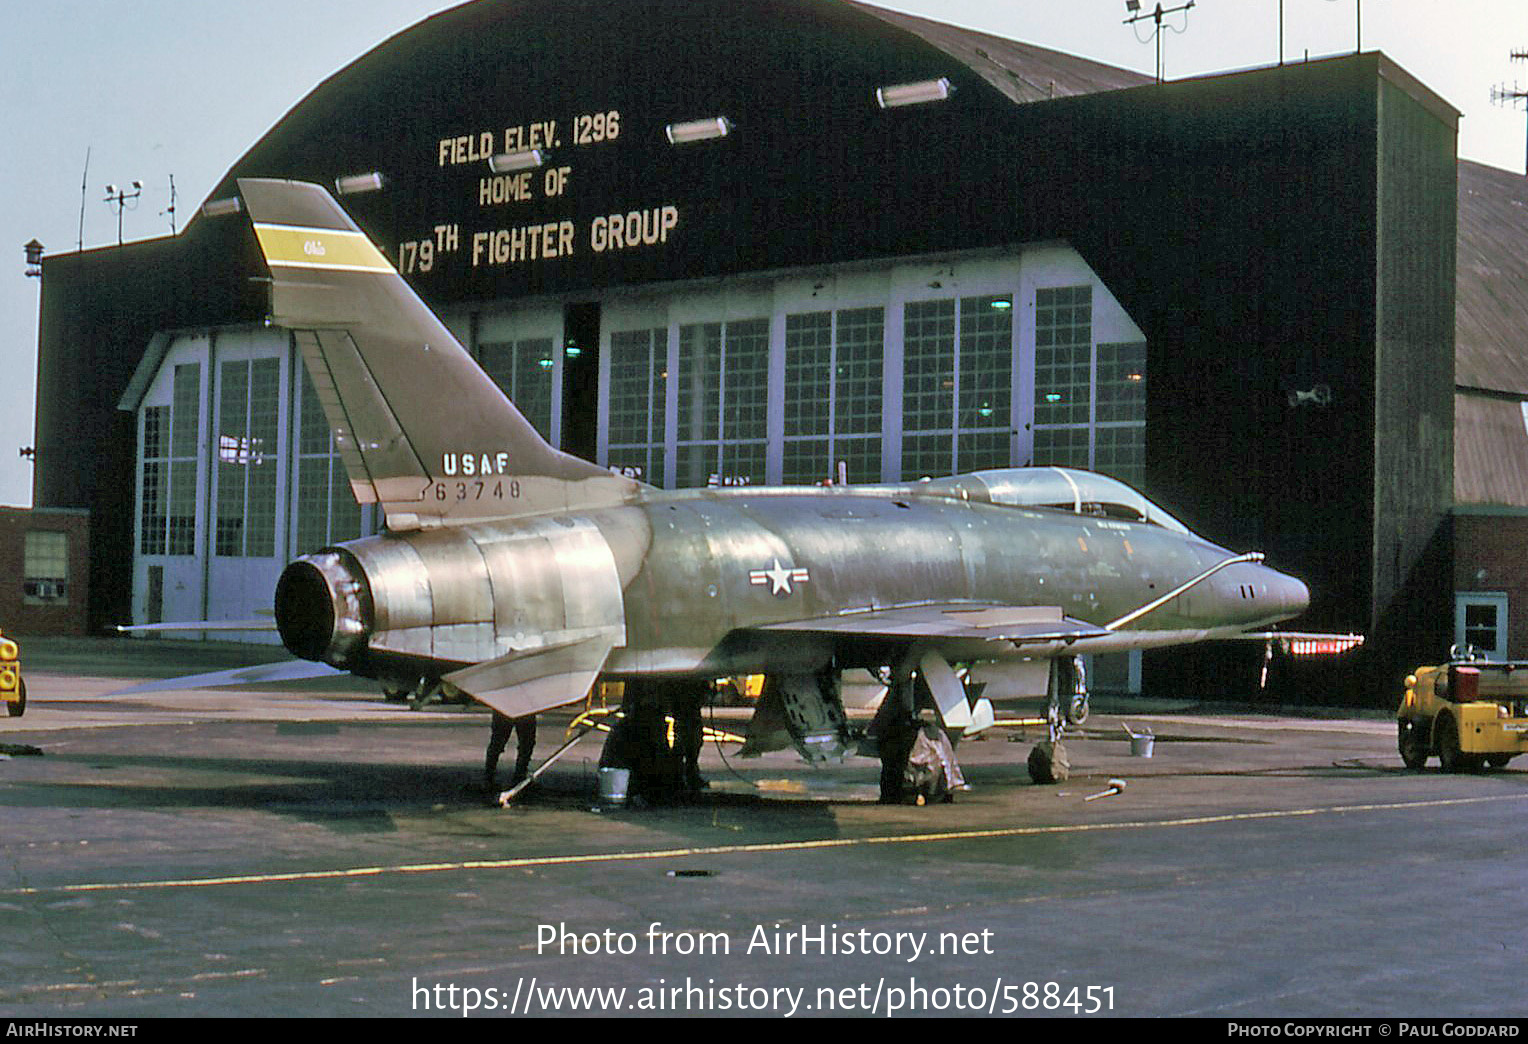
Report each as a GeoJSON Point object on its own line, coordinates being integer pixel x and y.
{"type": "Point", "coordinates": [1253, 595]}
{"type": "Point", "coordinates": [1285, 593]}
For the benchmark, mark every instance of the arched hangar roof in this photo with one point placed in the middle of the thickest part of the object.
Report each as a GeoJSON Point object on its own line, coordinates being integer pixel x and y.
{"type": "Point", "coordinates": [813, 169]}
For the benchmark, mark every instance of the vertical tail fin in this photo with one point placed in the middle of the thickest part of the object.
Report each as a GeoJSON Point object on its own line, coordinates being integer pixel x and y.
{"type": "Point", "coordinates": [420, 427]}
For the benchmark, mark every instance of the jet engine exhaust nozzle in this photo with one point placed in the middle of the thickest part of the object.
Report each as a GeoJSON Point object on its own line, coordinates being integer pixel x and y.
{"type": "Point", "coordinates": [323, 608]}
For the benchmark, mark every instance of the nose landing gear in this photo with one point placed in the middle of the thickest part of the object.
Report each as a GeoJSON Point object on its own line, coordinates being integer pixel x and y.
{"type": "Point", "coordinates": [1067, 703]}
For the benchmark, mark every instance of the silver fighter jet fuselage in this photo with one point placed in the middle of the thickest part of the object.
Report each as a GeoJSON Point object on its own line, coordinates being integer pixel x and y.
{"type": "Point", "coordinates": [726, 582]}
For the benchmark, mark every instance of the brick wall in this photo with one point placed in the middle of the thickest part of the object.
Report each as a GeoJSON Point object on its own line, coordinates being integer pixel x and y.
{"type": "Point", "coordinates": [1491, 555]}
{"type": "Point", "coordinates": [44, 605]}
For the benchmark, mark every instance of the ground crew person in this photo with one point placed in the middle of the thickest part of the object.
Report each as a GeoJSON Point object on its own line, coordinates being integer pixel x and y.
{"type": "Point", "coordinates": [525, 745]}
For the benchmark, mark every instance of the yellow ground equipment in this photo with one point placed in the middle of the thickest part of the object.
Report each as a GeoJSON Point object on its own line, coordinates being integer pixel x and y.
{"type": "Point", "coordinates": [13, 688]}
{"type": "Point", "coordinates": [599, 718]}
{"type": "Point", "coordinates": [1470, 713]}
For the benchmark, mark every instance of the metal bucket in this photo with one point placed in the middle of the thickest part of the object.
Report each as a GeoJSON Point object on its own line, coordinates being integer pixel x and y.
{"type": "Point", "coordinates": [1141, 744]}
{"type": "Point", "coordinates": [613, 784]}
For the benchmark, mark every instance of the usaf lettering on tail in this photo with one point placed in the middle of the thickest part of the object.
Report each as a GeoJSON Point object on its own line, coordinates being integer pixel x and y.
{"type": "Point", "coordinates": [522, 602]}
{"type": "Point", "coordinates": [470, 464]}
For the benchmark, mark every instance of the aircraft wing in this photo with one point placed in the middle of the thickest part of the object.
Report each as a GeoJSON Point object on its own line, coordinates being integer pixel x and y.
{"type": "Point", "coordinates": [1025, 625]}
{"type": "Point", "coordinates": [283, 670]}
{"type": "Point", "coordinates": [263, 623]}
{"type": "Point", "coordinates": [954, 630]}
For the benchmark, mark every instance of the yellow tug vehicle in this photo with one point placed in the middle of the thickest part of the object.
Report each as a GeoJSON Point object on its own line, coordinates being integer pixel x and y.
{"type": "Point", "coordinates": [1470, 713]}
{"type": "Point", "coordinates": [13, 688]}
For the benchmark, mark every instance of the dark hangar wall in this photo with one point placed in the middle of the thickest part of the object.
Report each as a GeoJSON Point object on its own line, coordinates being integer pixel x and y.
{"type": "Point", "coordinates": [1414, 421]}
{"type": "Point", "coordinates": [1269, 231]}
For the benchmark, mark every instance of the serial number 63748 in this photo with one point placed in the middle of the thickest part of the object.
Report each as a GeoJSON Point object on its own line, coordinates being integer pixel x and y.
{"type": "Point", "coordinates": [480, 489]}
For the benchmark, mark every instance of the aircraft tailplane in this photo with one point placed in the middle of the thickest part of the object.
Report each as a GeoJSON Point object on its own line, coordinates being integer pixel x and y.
{"type": "Point", "coordinates": [420, 428]}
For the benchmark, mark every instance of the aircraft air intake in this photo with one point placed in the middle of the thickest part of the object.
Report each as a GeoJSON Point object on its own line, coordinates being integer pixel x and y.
{"type": "Point", "coordinates": [324, 607]}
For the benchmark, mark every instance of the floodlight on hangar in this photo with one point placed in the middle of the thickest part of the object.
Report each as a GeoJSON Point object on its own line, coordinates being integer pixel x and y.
{"type": "Point", "coordinates": [123, 200]}
{"type": "Point", "coordinates": [698, 130]}
{"type": "Point", "coordinates": [354, 184]}
{"type": "Point", "coordinates": [508, 162]}
{"type": "Point", "coordinates": [913, 93]}
{"type": "Point", "coordinates": [1137, 15]}
{"type": "Point", "coordinates": [220, 207]}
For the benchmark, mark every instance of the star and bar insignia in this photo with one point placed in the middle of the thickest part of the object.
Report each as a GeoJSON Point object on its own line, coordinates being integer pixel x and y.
{"type": "Point", "coordinates": [778, 577]}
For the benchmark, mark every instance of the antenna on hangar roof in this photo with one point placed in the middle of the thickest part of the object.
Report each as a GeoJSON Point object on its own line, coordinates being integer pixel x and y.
{"type": "Point", "coordinates": [84, 177]}
{"type": "Point", "coordinates": [1510, 96]}
{"type": "Point", "coordinates": [1137, 15]}
{"type": "Point", "coordinates": [170, 210]}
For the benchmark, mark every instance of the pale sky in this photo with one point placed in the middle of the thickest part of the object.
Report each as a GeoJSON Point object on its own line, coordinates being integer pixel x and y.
{"type": "Point", "coordinates": [183, 88]}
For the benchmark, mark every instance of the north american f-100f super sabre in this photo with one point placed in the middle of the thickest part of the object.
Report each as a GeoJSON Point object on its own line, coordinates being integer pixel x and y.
{"type": "Point", "coordinates": [519, 575]}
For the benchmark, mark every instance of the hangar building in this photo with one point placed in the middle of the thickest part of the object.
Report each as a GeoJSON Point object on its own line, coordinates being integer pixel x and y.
{"type": "Point", "coordinates": [1491, 411]}
{"type": "Point", "coordinates": [720, 242]}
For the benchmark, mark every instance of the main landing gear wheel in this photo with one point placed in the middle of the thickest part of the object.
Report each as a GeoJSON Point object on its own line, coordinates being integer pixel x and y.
{"type": "Point", "coordinates": [396, 691]}
{"type": "Point", "coordinates": [1412, 741]}
{"type": "Point", "coordinates": [1077, 710]}
{"type": "Point", "coordinates": [1449, 755]}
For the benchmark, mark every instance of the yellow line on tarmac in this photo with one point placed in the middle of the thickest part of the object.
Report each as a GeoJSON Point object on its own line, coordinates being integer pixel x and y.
{"type": "Point", "coordinates": [351, 873]}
